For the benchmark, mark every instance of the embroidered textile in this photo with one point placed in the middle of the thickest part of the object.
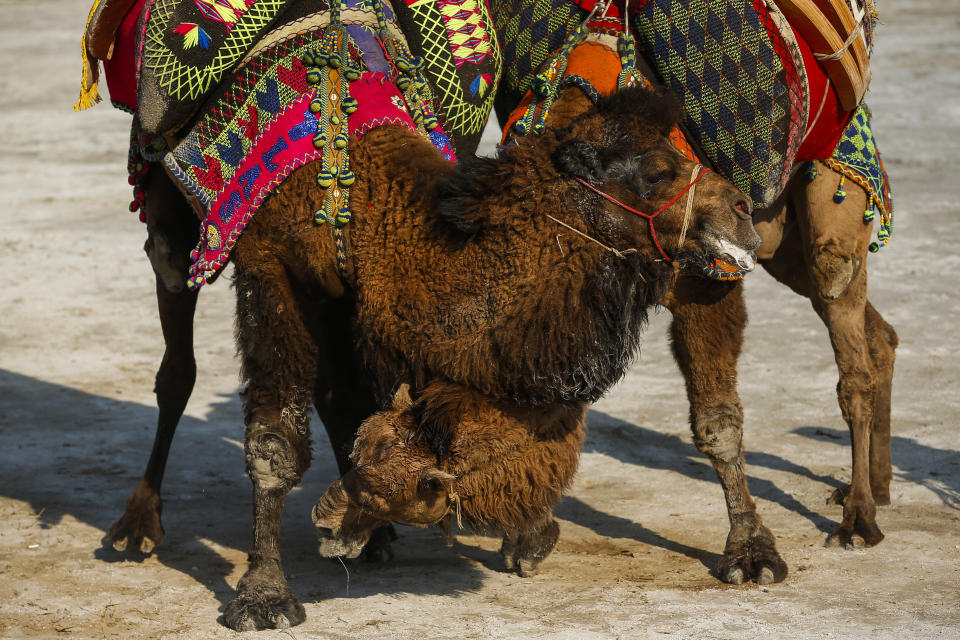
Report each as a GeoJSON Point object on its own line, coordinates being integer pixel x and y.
{"type": "Point", "coordinates": [258, 130]}
{"type": "Point", "coordinates": [857, 157]}
{"type": "Point", "coordinates": [740, 80]}
{"type": "Point", "coordinates": [461, 61]}
{"type": "Point", "coordinates": [176, 71]}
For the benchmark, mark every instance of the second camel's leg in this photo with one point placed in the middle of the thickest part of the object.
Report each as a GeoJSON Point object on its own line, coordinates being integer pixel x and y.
{"type": "Point", "coordinates": [706, 336]}
{"type": "Point", "coordinates": [279, 364]}
{"type": "Point", "coordinates": [172, 233]}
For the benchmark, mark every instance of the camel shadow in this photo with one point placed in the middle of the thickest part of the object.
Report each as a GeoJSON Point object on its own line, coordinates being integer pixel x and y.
{"type": "Point", "coordinates": [69, 453]}
{"type": "Point", "coordinates": [935, 469]}
{"type": "Point", "coordinates": [637, 445]}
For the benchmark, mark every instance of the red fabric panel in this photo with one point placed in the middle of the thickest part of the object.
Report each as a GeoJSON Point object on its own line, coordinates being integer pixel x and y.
{"type": "Point", "coordinates": [823, 134]}
{"type": "Point", "coordinates": [121, 68]}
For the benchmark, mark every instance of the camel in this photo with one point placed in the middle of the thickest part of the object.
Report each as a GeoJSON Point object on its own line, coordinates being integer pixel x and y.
{"type": "Point", "coordinates": [502, 468]}
{"type": "Point", "coordinates": [458, 280]}
{"type": "Point", "coordinates": [818, 247]}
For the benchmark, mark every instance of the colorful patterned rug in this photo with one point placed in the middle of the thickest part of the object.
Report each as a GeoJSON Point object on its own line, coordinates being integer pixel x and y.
{"type": "Point", "coordinates": [188, 46]}
{"type": "Point", "coordinates": [461, 60]}
{"type": "Point", "coordinates": [263, 123]}
{"type": "Point", "coordinates": [732, 63]}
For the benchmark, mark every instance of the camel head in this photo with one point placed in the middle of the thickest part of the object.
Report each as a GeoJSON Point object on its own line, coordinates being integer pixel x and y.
{"type": "Point", "coordinates": [619, 150]}
{"type": "Point", "coordinates": [394, 478]}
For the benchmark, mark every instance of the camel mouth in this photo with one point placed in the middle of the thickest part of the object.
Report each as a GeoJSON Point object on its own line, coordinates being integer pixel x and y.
{"type": "Point", "coordinates": [333, 546]}
{"type": "Point", "coordinates": [720, 269]}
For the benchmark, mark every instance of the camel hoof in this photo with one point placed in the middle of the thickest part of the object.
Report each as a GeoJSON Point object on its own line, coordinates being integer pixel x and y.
{"type": "Point", "coordinates": [141, 532]}
{"type": "Point", "coordinates": [751, 554]}
{"type": "Point", "coordinates": [263, 610]}
{"type": "Point", "coordinates": [766, 576]}
{"type": "Point", "coordinates": [530, 549]}
{"type": "Point", "coordinates": [527, 568]}
{"type": "Point", "coordinates": [843, 537]}
{"type": "Point", "coordinates": [734, 575]}
{"type": "Point", "coordinates": [140, 528]}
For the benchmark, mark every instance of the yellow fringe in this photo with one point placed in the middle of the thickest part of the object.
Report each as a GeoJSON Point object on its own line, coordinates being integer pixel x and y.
{"type": "Point", "coordinates": [89, 95]}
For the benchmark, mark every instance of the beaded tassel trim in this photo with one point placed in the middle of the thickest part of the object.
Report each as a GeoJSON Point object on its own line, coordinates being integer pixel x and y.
{"type": "Point", "coordinates": [330, 69]}
{"type": "Point", "coordinates": [407, 73]}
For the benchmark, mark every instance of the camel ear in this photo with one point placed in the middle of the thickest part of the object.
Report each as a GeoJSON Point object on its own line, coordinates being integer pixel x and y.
{"type": "Point", "coordinates": [401, 399]}
{"type": "Point", "coordinates": [436, 481]}
{"type": "Point", "coordinates": [578, 158]}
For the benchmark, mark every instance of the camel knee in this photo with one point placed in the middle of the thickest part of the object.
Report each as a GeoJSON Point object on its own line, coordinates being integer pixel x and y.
{"type": "Point", "coordinates": [855, 392]}
{"type": "Point", "coordinates": [273, 462]}
{"type": "Point", "coordinates": [833, 269]}
{"type": "Point", "coordinates": [717, 432]}
{"type": "Point", "coordinates": [169, 267]}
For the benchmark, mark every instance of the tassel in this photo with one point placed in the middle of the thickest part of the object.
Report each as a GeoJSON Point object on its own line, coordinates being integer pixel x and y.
{"type": "Point", "coordinates": [812, 172]}
{"type": "Point", "coordinates": [869, 214]}
{"type": "Point", "coordinates": [840, 195]}
{"type": "Point", "coordinates": [89, 94]}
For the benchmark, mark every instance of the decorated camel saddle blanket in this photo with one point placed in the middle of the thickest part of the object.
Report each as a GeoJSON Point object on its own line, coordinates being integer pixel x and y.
{"type": "Point", "coordinates": [297, 98]}
{"type": "Point", "coordinates": [164, 58]}
{"type": "Point", "coordinates": [742, 72]}
{"type": "Point", "coordinates": [757, 101]}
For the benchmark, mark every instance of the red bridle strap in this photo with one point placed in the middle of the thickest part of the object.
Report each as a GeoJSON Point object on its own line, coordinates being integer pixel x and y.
{"type": "Point", "coordinates": [648, 216]}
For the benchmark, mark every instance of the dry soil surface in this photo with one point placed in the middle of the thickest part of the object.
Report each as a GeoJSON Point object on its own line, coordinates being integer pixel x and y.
{"type": "Point", "coordinates": [644, 523]}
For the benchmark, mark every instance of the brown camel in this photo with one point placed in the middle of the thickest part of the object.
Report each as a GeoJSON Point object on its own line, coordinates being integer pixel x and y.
{"type": "Point", "coordinates": [509, 276]}
{"type": "Point", "coordinates": [502, 470]}
{"type": "Point", "coordinates": [818, 247]}
{"type": "Point", "coordinates": [459, 275]}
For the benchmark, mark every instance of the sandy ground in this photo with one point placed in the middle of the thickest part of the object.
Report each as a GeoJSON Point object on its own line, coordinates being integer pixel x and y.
{"type": "Point", "coordinates": [644, 523]}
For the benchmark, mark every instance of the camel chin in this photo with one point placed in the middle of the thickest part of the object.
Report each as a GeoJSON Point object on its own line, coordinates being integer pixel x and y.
{"type": "Point", "coordinates": [336, 547]}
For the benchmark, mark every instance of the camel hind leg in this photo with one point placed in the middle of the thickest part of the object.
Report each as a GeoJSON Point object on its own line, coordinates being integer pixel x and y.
{"type": "Point", "coordinates": [834, 241]}
{"type": "Point", "coordinates": [883, 343]}
{"type": "Point", "coordinates": [344, 397]}
{"type": "Point", "coordinates": [172, 233]}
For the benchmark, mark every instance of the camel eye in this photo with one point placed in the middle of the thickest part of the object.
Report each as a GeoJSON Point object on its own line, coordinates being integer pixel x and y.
{"type": "Point", "coordinates": [656, 177]}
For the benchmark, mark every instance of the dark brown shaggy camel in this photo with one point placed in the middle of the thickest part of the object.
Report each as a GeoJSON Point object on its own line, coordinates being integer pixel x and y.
{"type": "Point", "coordinates": [506, 275]}
{"type": "Point", "coordinates": [818, 248]}
{"type": "Point", "coordinates": [503, 467]}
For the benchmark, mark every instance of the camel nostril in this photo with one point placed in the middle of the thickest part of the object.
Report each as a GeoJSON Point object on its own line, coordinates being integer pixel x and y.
{"type": "Point", "coordinates": [324, 532]}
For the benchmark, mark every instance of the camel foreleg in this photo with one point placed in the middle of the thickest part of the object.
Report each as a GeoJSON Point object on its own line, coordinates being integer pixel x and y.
{"type": "Point", "coordinates": [706, 336]}
{"type": "Point", "coordinates": [279, 364]}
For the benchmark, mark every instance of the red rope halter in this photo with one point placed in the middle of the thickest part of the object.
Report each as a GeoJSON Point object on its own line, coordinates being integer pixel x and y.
{"type": "Point", "coordinates": [648, 216]}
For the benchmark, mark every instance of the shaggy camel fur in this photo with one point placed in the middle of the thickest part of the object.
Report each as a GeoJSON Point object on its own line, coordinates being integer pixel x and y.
{"type": "Point", "coordinates": [454, 272]}
{"type": "Point", "coordinates": [503, 468]}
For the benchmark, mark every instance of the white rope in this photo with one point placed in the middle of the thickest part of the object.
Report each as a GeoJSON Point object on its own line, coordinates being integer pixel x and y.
{"type": "Point", "coordinates": [616, 252]}
{"type": "Point", "coordinates": [839, 53]}
{"type": "Point", "coordinates": [689, 209]}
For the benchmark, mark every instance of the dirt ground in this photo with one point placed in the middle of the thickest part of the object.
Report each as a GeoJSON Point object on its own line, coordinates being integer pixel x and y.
{"type": "Point", "coordinates": [643, 526]}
